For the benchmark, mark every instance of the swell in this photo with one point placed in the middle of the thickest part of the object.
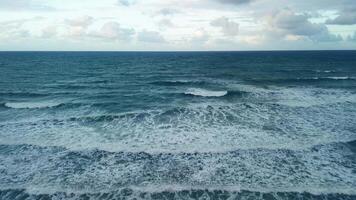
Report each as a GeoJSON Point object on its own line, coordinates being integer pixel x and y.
{"type": "Point", "coordinates": [179, 83]}
{"type": "Point", "coordinates": [305, 80]}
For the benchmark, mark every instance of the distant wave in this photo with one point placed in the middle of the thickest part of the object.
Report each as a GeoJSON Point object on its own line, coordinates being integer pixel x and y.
{"type": "Point", "coordinates": [328, 78]}
{"type": "Point", "coordinates": [177, 82]}
{"type": "Point", "coordinates": [308, 79]}
{"type": "Point", "coordinates": [31, 105]}
{"type": "Point", "coordinates": [324, 71]}
{"type": "Point", "coordinates": [341, 78]}
{"type": "Point", "coordinates": [205, 93]}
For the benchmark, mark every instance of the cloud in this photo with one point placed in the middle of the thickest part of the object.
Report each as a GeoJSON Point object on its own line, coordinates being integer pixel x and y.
{"type": "Point", "coordinates": [234, 2]}
{"type": "Point", "coordinates": [126, 2]}
{"type": "Point", "coordinates": [165, 23]}
{"type": "Point", "coordinates": [21, 34]}
{"type": "Point", "coordinates": [150, 36]}
{"type": "Point", "coordinates": [17, 28]}
{"type": "Point", "coordinates": [78, 27]}
{"type": "Point", "coordinates": [23, 5]}
{"type": "Point", "coordinates": [288, 23]}
{"type": "Point", "coordinates": [167, 11]}
{"type": "Point", "coordinates": [113, 31]}
{"type": "Point", "coordinates": [228, 27]}
{"type": "Point", "coordinates": [352, 38]}
{"type": "Point", "coordinates": [77, 32]}
{"type": "Point", "coordinates": [49, 32]}
{"type": "Point", "coordinates": [346, 17]}
{"type": "Point", "coordinates": [199, 37]}
{"type": "Point", "coordinates": [82, 21]}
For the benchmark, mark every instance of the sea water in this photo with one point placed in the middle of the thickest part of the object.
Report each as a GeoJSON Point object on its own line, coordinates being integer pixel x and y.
{"type": "Point", "coordinates": [178, 125]}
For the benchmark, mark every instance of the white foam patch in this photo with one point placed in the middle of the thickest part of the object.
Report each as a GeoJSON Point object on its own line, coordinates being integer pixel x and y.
{"type": "Point", "coordinates": [305, 119]}
{"type": "Point", "coordinates": [322, 170]}
{"type": "Point", "coordinates": [296, 96]}
{"type": "Point", "coordinates": [205, 93]}
{"type": "Point", "coordinates": [199, 128]}
{"type": "Point", "coordinates": [306, 97]}
{"type": "Point", "coordinates": [340, 77]}
{"type": "Point", "coordinates": [31, 105]}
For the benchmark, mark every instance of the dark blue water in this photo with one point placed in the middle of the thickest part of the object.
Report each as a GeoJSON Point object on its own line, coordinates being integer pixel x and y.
{"type": "Point", "coordinates": [188, 125]}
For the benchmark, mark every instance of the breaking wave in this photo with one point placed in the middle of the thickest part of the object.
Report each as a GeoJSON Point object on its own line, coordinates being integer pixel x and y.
{"type": "Point", "coordinates": [31, 105]}
{"type": "Point", "coordinates": [205, 93]}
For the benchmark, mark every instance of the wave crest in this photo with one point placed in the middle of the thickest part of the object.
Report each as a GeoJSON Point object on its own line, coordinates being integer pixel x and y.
{"type": "Point", "coordinates": [205, 93]}
{"type": "Point", "coordinates": [31, 105]}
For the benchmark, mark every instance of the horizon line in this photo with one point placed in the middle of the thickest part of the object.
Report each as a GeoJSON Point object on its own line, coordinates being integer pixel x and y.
{"type": "Point", "coordinates": [168, 51]}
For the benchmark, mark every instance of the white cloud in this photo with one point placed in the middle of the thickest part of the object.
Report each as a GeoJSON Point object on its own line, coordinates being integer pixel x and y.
{"type": "Point", "coordinates": [200, 37]}
{"type": "Point", "coordinates": [165, 23]}
{"type": "Point", "coordinates": [18, 5]}
{"type": "Point", "coordinates": [82, 21]}
{"type": "Point", "coordinates": [49, 32]}
{"type": "Point", "coordinates": [114, 31]}
{"type": "Point", "coordinates": [179, 24]}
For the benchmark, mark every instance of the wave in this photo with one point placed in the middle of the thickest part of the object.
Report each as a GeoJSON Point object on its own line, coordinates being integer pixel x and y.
{"type": "Point", "coordinates": [303, 80]}
{"type": "Point", "coordinates": [341, 78]}
{"type": "Point", "coordinates": [176, 83]}
{"type": "Point", "coordinates": [205, 93]}
{"type": "Point", "coordinates": [31, 105]}
{"type": "Point", "coordinates": [329, 78]}
{"type": "Point", "coordinates": [324, 71]}
{"type": "Point", "coordinates": [23, 94]}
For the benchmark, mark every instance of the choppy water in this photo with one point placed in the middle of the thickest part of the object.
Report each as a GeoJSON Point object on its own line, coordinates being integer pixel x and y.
{"type": "Point", "coordinates": [213, 125]}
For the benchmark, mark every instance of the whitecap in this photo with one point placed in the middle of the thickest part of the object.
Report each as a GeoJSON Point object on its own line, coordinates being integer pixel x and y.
{"type": "Point", "coordinates": [205, 93]}
{"type": "Point", "coordinates": [31, 105]}
{"type": "Point", "coordinates": [340, 78]}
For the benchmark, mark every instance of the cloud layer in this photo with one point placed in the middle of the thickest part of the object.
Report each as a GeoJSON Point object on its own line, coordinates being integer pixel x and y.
{"type": "Point", "coordinates": [178, 24]}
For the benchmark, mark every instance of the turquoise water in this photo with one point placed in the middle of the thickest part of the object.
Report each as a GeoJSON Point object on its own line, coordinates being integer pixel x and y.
{"type": "Point", "coordinates": [178, 125]}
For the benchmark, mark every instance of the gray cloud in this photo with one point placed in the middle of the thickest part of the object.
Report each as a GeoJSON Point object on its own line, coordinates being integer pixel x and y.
{"type": "Point", "coordinates": [228, 27]}
{"type": "Point", "coordinates": [234, 2]}
{"type": "Point", "coordinates": [150, 36]}
{"type": "Point", "coordinates": [346, 17]}
{"type": "Point", "coordinates": [352, 38]}
{"type": "Point", "coordinates": [290, 23]}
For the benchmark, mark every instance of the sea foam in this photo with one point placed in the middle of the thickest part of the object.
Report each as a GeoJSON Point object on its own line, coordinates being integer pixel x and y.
{"type": "Point", "coordinates": [31, 105]}
{"type": "Point", "coordinates": [205, 93]}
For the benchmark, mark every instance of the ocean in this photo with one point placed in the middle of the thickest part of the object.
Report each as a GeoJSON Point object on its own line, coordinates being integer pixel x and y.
{"type": "Point", "coordinates": [178, 125]}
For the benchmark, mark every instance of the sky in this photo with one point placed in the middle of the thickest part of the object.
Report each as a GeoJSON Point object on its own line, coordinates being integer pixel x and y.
{"type": "Point", "coordinates": [177, 25]}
